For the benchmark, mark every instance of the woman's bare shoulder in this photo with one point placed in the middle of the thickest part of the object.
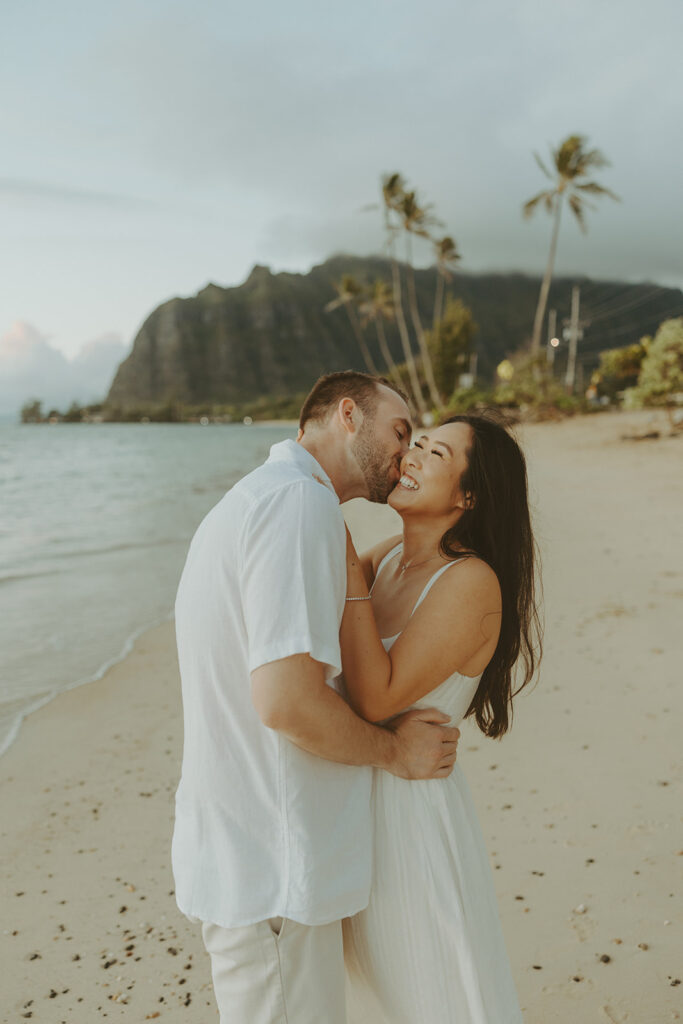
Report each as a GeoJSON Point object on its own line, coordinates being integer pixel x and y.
{"type": "Point", "coordinates": [472, 575]}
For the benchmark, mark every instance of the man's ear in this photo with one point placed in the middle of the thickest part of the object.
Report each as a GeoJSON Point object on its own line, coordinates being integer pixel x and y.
{"type": "Point", "coordinates": [349, 415]}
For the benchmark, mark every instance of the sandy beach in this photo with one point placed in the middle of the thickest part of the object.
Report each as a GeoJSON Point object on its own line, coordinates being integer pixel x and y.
{"type": "Point", "coordinates": [580, 804]}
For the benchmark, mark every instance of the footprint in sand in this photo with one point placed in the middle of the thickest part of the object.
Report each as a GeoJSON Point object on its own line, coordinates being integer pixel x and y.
{"type": "Point", "coordinates": [581, 923]}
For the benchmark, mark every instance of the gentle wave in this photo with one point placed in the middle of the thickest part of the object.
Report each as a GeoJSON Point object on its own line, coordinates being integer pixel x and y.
{"type": "Point", "coordinates": [86, 553]}
{"type": "Point", "coordinates": [15, 719]}
{"type": "Point", "coordinates": [18, 576]}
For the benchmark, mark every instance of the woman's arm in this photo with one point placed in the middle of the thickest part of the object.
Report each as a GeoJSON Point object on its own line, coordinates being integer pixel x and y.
{"type": "Point", "coordinates": [371, 558]}
{"type": "Point", "coordinates": [459, 618]}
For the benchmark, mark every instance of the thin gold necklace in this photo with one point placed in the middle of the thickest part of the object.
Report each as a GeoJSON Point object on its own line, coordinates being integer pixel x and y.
{"type": "Point", "coordinates": [402, 567]}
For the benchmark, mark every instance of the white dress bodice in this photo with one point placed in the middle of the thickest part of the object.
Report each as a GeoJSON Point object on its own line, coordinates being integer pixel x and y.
{"type": "Point", "coordinates": [454, 695]}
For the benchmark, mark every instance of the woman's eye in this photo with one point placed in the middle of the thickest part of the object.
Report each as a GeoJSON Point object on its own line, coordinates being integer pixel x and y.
{"type": "Point", "coordinates": [435, 451]}
{"type": "Point", "coordinates": [417, 445]}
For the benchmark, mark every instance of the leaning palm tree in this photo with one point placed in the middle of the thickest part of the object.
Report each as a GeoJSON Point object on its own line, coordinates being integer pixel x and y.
{"type": "Point", "coordinates": [447, 255]}
{"type": "Point", "coordinates": [393, 189]}
{"type": "Point", "coordinates": [377, 307]}
{"type": "Point", "coordinates": [416, 221]}
{"type": "Point", "coordinates": [349, 293]}
{"type": "Point", "coordinates": [572, 162]}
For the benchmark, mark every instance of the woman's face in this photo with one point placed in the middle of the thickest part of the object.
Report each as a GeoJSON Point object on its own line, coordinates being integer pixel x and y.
{"type": "Point", "coordinates": [431, 472]}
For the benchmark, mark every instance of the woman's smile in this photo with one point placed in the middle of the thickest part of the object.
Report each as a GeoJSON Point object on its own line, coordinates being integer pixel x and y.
{"type": "Point", "coordinates": [409, 482]}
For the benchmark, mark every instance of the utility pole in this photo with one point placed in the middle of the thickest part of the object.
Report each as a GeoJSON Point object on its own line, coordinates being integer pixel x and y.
{"type": "Point", "coordinates": [473, 365]}
{"type": "Point", "coordinates": [580, 376]}
{"type": "Point", "coordinates": [574, 333]}
{"type": "Point", "coordinates": [552, 327]}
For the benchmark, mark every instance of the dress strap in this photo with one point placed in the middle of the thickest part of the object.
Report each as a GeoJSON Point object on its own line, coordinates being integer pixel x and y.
{"type": "Point", "coordinates": [432, 580]}
{"type": "Point", "coordinates": [389, 554]}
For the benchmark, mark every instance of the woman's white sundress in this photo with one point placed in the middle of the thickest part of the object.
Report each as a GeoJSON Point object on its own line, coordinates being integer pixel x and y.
{"type": "Point", "coordinates": [429, 948]}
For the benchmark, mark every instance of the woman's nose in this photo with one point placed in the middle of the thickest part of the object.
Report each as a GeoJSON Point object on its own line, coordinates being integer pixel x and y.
{"type": "Point", "coordinates": [411, 458]}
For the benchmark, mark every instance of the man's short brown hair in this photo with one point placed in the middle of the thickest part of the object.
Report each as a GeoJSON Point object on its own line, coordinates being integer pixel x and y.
{"type": "Point", "coordinates": [328, 391]}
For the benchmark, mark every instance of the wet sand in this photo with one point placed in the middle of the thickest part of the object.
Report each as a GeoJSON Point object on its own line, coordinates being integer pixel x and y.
{"type": "Point", "coordinates": [580, 804]}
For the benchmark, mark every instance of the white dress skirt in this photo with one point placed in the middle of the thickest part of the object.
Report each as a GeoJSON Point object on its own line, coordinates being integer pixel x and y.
{"type": "Point", "coordinates": [429, 947]}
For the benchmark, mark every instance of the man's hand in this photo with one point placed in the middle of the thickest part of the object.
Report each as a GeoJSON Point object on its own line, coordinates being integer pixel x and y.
{"type": "Point", "coordinates": [426, 746]}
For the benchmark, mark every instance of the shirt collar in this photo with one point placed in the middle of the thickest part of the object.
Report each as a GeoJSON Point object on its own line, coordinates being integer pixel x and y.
{"type": "Point", "coordinates": [294, 453]}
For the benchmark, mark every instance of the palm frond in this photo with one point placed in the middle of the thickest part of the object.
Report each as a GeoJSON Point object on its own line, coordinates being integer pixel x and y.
{"type": "Point", "coordinates": [576, 206]}
{"type": "Point", "coordinates": [542, 166]}
{"type": "Point", "coordinates": [393, 189]}
{"type": "Point", "coordinates": [594, 189]}
{"type": "Point", "coordinates": [350, 286]}
{"type": "Point", "coordinates": [416, 219]}
{"type": "Point", "coordinates": [566, 155]}
{"type": "Point", "coordinates": [377, 303]}
{"type": "Point", "coordinates": [530, 206]}
{"type": "Point", "coordinates": [593, 158]}
{"type": "Point", "coordinates": [447, 255]}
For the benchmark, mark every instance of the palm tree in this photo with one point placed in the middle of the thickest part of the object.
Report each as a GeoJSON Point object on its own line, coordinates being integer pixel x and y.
{"type": "Point", "coordinates": [572, 162]}
{"type": "Point", "coordinates": [447, 256]}
{"type": "Point", "coordinates": [377, 307]}
{"type": "Point", "coordinates": [393, 189]}
{"type": "Point", "coordinates": [416, 221]}
{"type": "Point", "coordinates": [349, 292]}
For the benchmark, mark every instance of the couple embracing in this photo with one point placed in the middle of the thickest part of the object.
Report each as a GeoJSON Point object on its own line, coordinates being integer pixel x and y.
{"type": "Point", "coordinates": [324, 835]}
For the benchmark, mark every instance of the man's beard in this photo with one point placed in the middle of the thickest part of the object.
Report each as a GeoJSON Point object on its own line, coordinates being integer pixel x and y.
{"type": "Point", "coordinates": [374, 464]}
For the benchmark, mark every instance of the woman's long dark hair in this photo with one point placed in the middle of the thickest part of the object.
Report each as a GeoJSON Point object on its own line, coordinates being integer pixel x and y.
{"type": "Point", "coordinates": [497, 528]}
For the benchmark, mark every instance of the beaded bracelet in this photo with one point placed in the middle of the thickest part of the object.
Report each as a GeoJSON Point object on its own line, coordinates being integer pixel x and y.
{"type": "Point", "coordinates": [367, 598]}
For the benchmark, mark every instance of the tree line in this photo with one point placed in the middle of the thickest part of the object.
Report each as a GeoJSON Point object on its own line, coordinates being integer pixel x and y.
{"type": "Point", "coordinates": [436, 358]}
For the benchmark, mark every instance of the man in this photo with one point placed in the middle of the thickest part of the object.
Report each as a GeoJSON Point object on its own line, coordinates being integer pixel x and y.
{"type": "Point", "coordinates": [272, 842]}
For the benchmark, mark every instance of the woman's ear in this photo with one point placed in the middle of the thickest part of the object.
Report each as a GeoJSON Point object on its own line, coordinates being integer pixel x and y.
{"type": "Point", "coordinates": [468, 500]}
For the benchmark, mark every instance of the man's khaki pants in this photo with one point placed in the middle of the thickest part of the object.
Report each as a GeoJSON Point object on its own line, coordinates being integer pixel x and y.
{"type": "Point", "coordinates": [277, 972]}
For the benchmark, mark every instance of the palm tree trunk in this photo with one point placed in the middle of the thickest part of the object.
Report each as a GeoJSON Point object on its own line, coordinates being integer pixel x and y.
{"type": "Point", "coordinates": [416, 390]}
{"type": "Point", "coordinates": [417, 323]}
{"type": "Point", "coordinates": [438, 302]}
{"type": "Point", "coordinates": [384, 349]}
{"type": "Point", "coordinates": [545, 286]}
{"type": "Point", "coordinates": [365, 351]}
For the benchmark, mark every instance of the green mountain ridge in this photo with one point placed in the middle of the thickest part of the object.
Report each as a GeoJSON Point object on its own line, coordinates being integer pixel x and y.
{"type": "Point", "coordinates": [270, 336]}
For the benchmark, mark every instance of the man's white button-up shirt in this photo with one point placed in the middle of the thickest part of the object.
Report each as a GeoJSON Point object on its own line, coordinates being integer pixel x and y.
{"type": "Point", "coordinates": [264, 829]}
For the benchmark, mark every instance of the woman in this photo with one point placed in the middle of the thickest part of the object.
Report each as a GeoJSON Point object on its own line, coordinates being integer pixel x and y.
{"type": "Point", "coordinates": [451, 612]}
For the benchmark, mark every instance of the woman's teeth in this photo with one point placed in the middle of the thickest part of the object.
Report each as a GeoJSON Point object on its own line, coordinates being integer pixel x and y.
{"type": "Point", "coordinates": [407, 481]}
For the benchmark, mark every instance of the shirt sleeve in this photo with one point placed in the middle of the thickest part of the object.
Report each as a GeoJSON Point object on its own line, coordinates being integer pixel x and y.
{"type": "Point", "coordinates": [293, 576]}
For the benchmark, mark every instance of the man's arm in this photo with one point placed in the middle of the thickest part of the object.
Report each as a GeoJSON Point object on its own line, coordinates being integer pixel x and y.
{"type": "Point", "coordinates": [292, 697]}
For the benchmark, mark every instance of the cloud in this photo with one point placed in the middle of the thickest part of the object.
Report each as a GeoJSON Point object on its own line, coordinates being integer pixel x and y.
{"type": "Point", "coordinates": [20, 188]}
{"type": "Point", "coordinates": [30, 367]}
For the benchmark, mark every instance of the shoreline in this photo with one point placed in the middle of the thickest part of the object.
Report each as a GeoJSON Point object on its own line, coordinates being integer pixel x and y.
{"type": "Point", "coordinates": [580, 803]}
{"type": "Point", "coordinates": [41, 701]}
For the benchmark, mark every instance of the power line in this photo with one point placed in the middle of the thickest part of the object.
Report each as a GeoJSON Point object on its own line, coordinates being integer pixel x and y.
{"type": "Point", "coordinates": [668, 314]}
{"type": "Point", "coordinates": [593, 287]}
{"type": "Point", "coordinates": [638, 300]}
{"type": "Point", "coordinates": [624, 289]}
{"type": "Point", "coordinates": [609, 299]}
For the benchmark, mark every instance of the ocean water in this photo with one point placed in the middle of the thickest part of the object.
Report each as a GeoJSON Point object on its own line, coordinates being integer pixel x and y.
{"type": "Point", "coordinates": [95, 522]}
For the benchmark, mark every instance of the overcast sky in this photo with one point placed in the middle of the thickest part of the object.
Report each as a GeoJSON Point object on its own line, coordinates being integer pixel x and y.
{"type": "Point", "coordinates": [148, 148]}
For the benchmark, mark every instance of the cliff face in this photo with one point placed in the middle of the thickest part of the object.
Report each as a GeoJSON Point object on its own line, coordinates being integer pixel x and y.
{"type": "Point", "coordinates": [271, 336]}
